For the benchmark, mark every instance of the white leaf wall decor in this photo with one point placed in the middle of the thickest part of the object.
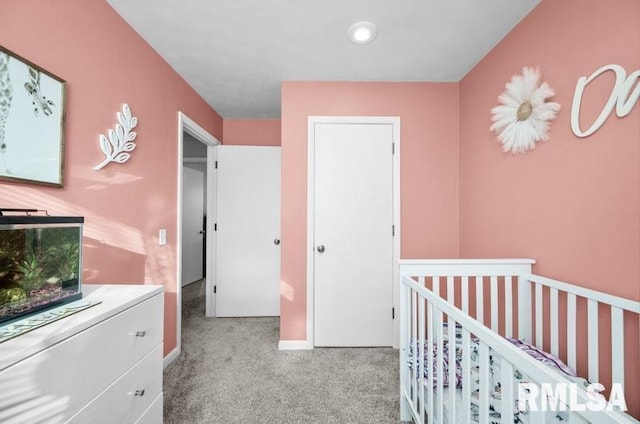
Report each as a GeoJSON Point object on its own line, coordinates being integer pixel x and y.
{"type": "Point", "coordinates": [120, 140]}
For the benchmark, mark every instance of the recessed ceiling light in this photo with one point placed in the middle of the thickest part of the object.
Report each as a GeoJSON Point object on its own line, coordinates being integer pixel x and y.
{"type": "Point", "coordinates": [362, 32]}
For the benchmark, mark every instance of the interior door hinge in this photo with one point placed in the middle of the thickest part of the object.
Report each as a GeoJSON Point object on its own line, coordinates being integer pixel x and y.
{"type": "Point", "coordinates": [393, 313]}
{"type": "Point", "coordinates": [215, 227]}
{"type": "Point", "coordinates": [393, 231]}
{"type": "Point", "coordinates": [214, 289]}
{"type": "Point", "coordinates": [216, 165]}
{"type": "Point", "coordinates": [393, 148]}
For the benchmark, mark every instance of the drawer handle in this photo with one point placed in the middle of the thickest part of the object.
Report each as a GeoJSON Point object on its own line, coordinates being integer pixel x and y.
{"type": "Point", "coordinates": [137, 393]}
{"type": "Point", "coordinates": [138, 333]}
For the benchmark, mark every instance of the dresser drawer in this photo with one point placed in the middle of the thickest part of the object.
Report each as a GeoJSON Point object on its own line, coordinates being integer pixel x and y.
{"type": "Point", "coordinates": [57, 382]}
{"type": "Point", "coordinates": [153, 415]}
{"type": "Point", "coordinates": [126, 400]}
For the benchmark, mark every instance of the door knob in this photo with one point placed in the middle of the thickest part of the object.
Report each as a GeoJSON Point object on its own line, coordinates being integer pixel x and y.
{"type": "Point", "coordinates": [276, 242]}
{"type": "Point", "coordinates": [203, 232]}
{"type": "Point", "coordinates": [321, 248]}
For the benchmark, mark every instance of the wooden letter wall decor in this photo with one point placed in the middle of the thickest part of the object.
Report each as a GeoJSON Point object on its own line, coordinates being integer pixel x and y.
{"type": "Point", "coordinates": [623, 96]}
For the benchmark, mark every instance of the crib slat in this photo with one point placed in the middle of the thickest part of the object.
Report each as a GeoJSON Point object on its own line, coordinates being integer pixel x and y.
{"type": "Point", "coordinates": [507, 390]}
{"type": "Point", "coordinates": [413, 328]}
{"type": "Point", "coordinates": [452, 367]}
{"type": "Point", "coordinates": [465, 294]}
{"type": "Point", "coordinates": [553, 319]}
{"type": "Point", "coordinates": [450, 291]}
{"type": "Point", "coordinates": [420, 368]}
{"type": "Point", "coordinates": [508, 306]}
{"type": "Point", "coordinates": [571, 330]}
{"type": "Point", "coordinates": [484, 386]}
{"type": "Point", "coordinates": [429, 350]}
{"type": "Point", "coordinates": [592, 325]}
{"type": "Point", "coordinates": [414, 336]}
{"type": "Point", "coordinates": [405, 373]}
{"type": "Point", "coordinates": [479, 300]}
{"type": "Point", "coordinates": [494, 303]}
{"type": "Point", "coordinates": [617, 341]}
{"type": "Point", "coordinates": [436, 286]}
{"type": "Point", "coordinates": [538, 317]}
{"type": "Point", "coordinates": [428, 406]}
{"type": "Point", "coordinates": [524, 309]}
{"type": "Point", "coordinates": [440, 366]}
{"type": "Point", "coordinates": [466, 376]}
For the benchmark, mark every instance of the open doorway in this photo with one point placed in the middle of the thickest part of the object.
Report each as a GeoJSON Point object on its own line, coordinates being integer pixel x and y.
{"type": "Point", "coordinates": [194, 209]}
{"type": "Point", "coordinates": [192, 132]}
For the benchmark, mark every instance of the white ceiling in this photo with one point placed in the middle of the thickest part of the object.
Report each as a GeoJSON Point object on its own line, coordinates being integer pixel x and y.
{"type": "Point", "coordinates": [235, 53]}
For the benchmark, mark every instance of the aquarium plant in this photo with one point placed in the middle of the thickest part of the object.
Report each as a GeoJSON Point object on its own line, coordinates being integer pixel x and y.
{"type": "Point", "coordinates": [33, 276]}
{"type": "Point", "coordinates": [62, 261]}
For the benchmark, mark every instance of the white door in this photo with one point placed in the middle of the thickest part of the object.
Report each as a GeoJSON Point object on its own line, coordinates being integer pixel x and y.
{"type": "Point", "coordinates": [193, 211]}
{"type": "Point", "coordinates": [248, 231]}
{"type": "Point", "coordinates": [353, 234]}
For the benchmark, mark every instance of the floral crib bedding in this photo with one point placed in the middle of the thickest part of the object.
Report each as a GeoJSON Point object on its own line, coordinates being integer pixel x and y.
{"type": "Point", "coordinates": [522, 417]}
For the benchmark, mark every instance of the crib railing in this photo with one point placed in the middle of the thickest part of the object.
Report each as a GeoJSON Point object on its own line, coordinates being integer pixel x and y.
{"type": "Point", "coordinates": [425, 306]}
{"type": "Point", "coordinates": [469, 277]}
{"type": "Point", "coordinates": [595, 301]}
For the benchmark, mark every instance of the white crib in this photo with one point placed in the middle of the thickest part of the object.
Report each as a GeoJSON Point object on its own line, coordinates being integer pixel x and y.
{"type": "Point", "coordinates": [477, 303]}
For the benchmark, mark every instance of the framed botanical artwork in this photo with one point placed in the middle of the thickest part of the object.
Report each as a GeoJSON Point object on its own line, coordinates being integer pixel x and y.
{"type": "Point", "coordinates": [31, 122]}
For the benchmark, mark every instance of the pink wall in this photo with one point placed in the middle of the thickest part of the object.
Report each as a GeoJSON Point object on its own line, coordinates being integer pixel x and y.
{"type": "Point", "coordinates": [429, 181]}
{"type": "Point", "coordinates": [251, 132]}
{"type": "Point", "coordinates": [572, 204]}
{"type": "Point", "coordinates": [105, 64]}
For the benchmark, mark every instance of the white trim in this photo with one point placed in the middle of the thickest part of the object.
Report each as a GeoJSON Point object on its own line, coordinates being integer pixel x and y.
{"type": "Point", "coordinates": [186, 124]}
{"type": "Point", "coordinates": [394, 121]}
{"type": "Point", "coordinates": [311, 172]}
{"type": "Point", "coordinates": [398, 229]}
{"type": "Point", "coordinates": [295, 345]}
{"type": "Point", "coordinates": [171, 356]}
{"type": "Point", "coordinates": [212, 210]}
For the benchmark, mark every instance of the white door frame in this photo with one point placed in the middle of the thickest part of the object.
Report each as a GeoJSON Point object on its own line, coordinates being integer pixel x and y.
{"type": "Point", "coordinates": [186, 124]}
{"type": "Point", "coordinates": [312, 121]}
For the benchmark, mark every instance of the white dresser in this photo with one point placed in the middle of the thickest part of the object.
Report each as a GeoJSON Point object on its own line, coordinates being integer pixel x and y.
{"type": "Point", "coordinates": [101, 365]}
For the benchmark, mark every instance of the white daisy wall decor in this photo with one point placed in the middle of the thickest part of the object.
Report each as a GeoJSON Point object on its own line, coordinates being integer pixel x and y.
{"type": "Point", "coordinates": [524, 115]}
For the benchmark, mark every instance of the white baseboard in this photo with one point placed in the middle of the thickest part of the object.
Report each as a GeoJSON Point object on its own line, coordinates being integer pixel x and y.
{"type": "Point", "coordinates": [295, 345]}
{"type": "Point", "coordinates": [171, 356]}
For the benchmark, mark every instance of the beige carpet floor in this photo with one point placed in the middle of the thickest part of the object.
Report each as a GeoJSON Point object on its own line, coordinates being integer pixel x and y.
{"type": "Point", "coordinates": [231, 371]}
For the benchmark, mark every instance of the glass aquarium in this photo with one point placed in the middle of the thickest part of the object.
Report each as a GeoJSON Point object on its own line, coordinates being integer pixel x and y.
{"type": "Point", "coordinates": [40, 263]}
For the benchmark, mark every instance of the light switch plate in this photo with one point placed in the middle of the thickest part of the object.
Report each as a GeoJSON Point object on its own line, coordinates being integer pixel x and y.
{"type": "Point", "coordinates": [162, 237]}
